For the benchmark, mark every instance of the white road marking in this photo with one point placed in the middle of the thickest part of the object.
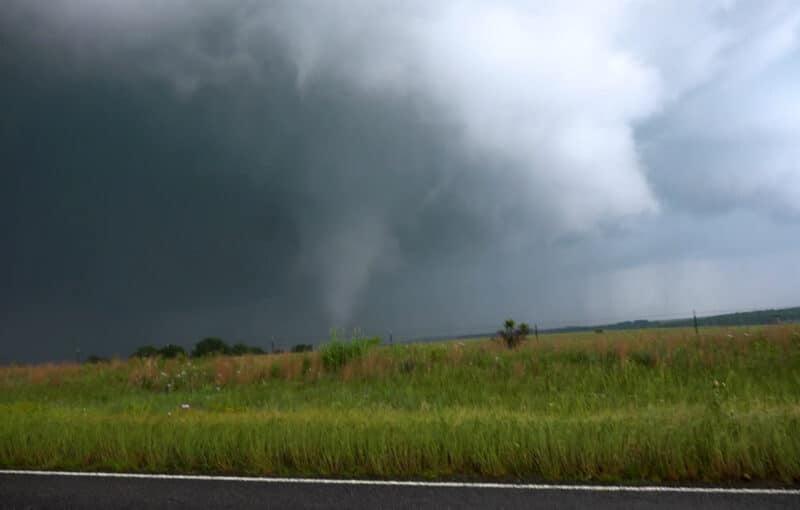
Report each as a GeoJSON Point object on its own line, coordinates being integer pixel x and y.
{"type": "Point", "coordinates": [406, 483]}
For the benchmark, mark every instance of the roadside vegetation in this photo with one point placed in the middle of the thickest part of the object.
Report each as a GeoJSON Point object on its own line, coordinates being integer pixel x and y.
{"type": "Point", "coordinates": [628, 405]}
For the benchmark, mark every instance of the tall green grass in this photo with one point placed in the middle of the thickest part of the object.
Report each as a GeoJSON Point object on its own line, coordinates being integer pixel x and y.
{"type": "Point", "coordinates": [629, 405]}
{"type": "Point", "coordinates": [336, 353]}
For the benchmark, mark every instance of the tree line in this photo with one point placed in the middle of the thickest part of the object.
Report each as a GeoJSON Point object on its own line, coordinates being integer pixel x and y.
{"type": "Point", "coordinates": [210, 346]}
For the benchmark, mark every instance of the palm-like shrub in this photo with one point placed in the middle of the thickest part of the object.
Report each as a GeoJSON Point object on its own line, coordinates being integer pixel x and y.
{"type": "Point", "coordinates": [513, 336]}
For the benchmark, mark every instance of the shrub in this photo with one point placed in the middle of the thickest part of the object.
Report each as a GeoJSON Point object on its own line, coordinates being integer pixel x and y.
{"type": "Point", "coordinates": [336, 353]}
{"type": "Point", "coordinates": [408, 365]}
{"type": "Point", "coordinates": [302, 348]}
{"type": "Point", "coordinates": [275, 370]}
{"type": "Point", "coordinates": [240, 348]}
{"type": "Point", "coordinates": [644, 358]}
{"type": "Point", "coordinates": [513, 337]}
{"type": "Point", "coordinates": [92, 359]}
{"type": "Point", "coordinates": [171, 351]}
{"type": "Point", "coordinates": [145, 351]}
{"type": "Point", "coordinates": [210, 346]}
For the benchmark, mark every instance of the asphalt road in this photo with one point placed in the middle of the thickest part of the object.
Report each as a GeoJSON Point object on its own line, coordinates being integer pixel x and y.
{"type": "Point", "coordinates": [25, 491]}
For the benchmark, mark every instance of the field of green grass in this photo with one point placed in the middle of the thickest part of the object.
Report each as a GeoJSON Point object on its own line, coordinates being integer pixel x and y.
{"type": "Point", "coordinates": [634, 405]}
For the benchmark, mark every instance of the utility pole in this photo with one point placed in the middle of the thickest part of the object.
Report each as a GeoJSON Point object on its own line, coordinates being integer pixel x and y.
{"type": "Point", "coordinates": [536, 331]}
{"type": "Point", "coordinates": [696, 331]}
{"type": "Point", "coordinates": [391, 342]}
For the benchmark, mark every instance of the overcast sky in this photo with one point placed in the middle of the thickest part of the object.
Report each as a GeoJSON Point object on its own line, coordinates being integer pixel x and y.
{"type": "Point", "coordinates": [173, 169]}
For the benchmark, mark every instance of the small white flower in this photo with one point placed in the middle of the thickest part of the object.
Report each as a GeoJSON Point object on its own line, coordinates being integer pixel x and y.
{"type": "Point", "coordinates": [185, 406]}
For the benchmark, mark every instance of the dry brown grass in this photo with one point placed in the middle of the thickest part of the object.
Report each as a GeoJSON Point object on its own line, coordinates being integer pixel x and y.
{"type": "Point", "coordinates": [657, 348]}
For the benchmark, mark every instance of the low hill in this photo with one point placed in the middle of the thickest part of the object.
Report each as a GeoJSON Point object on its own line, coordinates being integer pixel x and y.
{"type": "Point", "coordinates": [757, 317]}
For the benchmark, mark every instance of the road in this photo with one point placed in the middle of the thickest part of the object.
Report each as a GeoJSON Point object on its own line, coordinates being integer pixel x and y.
{"type": "Point", "coordinates": [44, 490]}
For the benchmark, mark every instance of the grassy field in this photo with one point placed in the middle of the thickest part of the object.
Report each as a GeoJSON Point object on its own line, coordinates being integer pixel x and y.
{"type": "Point", "coordinates": [635, 405]}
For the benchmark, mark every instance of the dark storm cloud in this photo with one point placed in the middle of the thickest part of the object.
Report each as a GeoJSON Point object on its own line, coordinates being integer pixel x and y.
{"type": "Point", "coordinates": [134, 217]}
{"type": "Point", "coordinates": [177, 169]}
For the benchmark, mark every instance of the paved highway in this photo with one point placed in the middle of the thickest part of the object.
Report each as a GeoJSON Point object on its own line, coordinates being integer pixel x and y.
{"type": "Point", "coordinates": [43, 490]}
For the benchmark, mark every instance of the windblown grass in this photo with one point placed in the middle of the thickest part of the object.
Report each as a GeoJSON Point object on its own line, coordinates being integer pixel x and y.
{"type": "Point", "coordinates": [627, 405]}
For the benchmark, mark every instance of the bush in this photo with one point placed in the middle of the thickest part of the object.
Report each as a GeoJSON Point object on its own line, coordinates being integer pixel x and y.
{"type": "Point", "coordinates": [513, 337]}
{"type": "Point", "coordinates": [171, 351]}
{"type": "Point", "coordinates": [275, 370]}
{"type": "Point", "coordinates": [145, 351]}
{"type": "Point", "coordinates": [644, 358]}
{"type": "Point", "coordinates": [210, 346]}
{"type": "Point", "coordinates": [240, 348]}
{"type": "Point", "coordinates": [93, 360]}
{"type": "Point", "coordinates": [336, 353]}
{"type": "Point", "coordinates": [302, 348]}
{"type": "Point", "coordinates": [408, 365]}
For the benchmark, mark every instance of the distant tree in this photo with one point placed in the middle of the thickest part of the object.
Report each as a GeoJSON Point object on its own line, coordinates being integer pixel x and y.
{"type": "Point", "coordinates": [302, 348]}
{"type": "Point", "coordinates": [171, 351]}
{"type": "Point", "coordinates": [239, 349]}
{"type": "Point", "coordinates": [210, 346]}
{"type": "Point", "coordinates": [92, 359]}
{"type": "Point", "coordinates": [145, 351]}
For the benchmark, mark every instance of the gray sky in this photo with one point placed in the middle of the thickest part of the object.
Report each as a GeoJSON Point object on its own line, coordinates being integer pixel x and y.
{"type": "Point", "coordinates": [173, 169]}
